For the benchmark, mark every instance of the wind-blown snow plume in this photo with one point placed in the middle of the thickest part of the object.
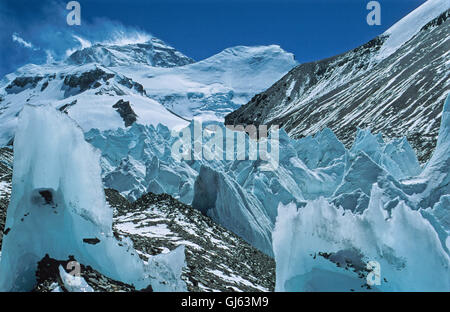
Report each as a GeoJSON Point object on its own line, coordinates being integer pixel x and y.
{"type": "Point", "coordinates": [49, 32]}
{"type": "Point", "coordinates": [125, 36]}
{"type": "Point", "coordinates": [84, 43]}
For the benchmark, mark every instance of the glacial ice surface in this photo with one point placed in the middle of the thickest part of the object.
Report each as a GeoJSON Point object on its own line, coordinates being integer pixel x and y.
{"type": "Point", "coordinates": [58, 208]}
{"type": "Point", "coordinates": [74, 283]}
{"type": "Point", "coordinates": [405, 228]}
{"type": "Point", "coordinates": [406, 246]}
{"type": "Point", "coordinates": [324, 204]}
{"type": "Point", "coordinates": [242, 197]}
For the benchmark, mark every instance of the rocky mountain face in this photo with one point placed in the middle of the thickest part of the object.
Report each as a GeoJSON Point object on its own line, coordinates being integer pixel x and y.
{"type": "Point", "coordinates": [395, 84]}
{"type": "Point", "coordinates": [6, 157]}
{"type": "Point", "coordinates": [153, 52]}
{"type": "Point", "coordinates": [217, 259]}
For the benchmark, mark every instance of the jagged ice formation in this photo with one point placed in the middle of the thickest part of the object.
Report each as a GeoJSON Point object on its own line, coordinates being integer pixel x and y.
{"type": "Point", "coordinates": [58, 208]}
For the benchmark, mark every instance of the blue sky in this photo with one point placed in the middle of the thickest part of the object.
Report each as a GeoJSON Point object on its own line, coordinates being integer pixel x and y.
{"type": "Point", "coordinates": [34, 31]}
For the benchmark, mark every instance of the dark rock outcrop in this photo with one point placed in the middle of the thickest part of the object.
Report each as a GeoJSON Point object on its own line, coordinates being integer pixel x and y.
{"type": "Point", "coordinates": [74, 84]}
{"type": "Point", "coordinates": [48, 277]}
{"type": "Point", "coordinates": [21, 83]}
{"type": "Point", "coordinates": [6, 163]}
{"type": "Point", "coordinates": [126, 112]}
{"type": "Point", "coordinates": [65, 107]}
{"type": "Point", "coordinates": [217, 259]}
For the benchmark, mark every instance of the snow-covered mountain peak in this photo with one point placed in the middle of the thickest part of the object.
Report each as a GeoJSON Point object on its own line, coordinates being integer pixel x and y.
{"type": "Point", "coordinates": [153, 52]}
{"type": "Point", "coordinates": [248, 58]}
{"type": "Point", "coordinates": [254, 51]}
{"type": "Point", "coordinates": [94, 95]}
{"type": "Point", "coordinates": [213, 87]}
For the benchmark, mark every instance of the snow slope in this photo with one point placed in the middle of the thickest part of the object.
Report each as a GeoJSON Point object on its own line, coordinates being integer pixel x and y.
{"type": "Point", "coordinates": [407, 27]}
{"type": "Point", "coordinates": [87, 93]}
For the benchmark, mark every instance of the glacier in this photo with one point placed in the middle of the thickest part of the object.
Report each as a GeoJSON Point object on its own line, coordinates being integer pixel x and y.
{"type": "Point", "coordinates": [58, 208]}
{"type": "Point", "coordinates": [323, 248]}
{"type": "Point", "coordinates": [405, 228]}
{"type": "Point", "coordinates": [242, 197]}
{"type": "Point", "coordinates": [328, 213]}
{"type": "Point", "coordinates": [377, 188]}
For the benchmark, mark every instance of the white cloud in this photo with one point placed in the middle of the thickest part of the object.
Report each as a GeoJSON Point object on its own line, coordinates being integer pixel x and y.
{"type": "Point", "coordinates": [18, 39]}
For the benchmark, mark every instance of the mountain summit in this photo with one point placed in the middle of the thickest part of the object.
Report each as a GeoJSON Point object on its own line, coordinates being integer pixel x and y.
{"type": "Point", "coordinates": [153, 52]}
{"type": "Point", "coordinates": [211, 88]}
